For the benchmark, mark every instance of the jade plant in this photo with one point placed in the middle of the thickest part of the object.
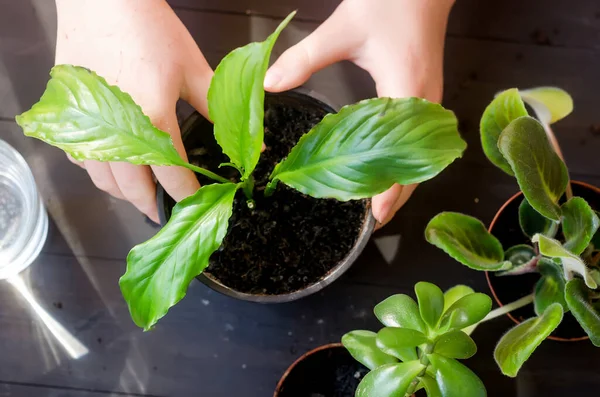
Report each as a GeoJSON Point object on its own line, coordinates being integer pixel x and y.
{"type": "Point", "coordinates": [421, 343]}
{"type": "Point", "coordinates": [354, 154]}
{"type": "Point", "coordinates": [564, 239]}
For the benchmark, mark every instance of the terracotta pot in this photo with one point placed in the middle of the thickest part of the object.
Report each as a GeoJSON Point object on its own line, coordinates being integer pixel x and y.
{"type": "Point", "coordinates": [515, 200]}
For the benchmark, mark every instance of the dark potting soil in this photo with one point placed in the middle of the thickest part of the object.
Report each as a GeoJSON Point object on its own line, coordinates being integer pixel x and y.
{"type": "Point", "coordinates": [330, 372]}
{"type": "Point", "coordinates": [511, 288]}
{"type": "Point", "coordinates": [288, 241]}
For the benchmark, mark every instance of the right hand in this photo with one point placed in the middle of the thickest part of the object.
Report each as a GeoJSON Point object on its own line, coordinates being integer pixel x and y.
{"type": "Point", "coordinates": [143, 47]}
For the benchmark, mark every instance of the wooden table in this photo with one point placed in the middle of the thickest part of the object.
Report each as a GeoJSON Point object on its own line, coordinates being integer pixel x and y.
{"type": "Point", "coordinates": [211, 345]}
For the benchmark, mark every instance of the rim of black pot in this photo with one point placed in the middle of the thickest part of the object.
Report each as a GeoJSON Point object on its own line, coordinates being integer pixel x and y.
{"type": "Point", "coordinates": [366, 230]}
{"type": "Point", "coordinates": [489, 278]}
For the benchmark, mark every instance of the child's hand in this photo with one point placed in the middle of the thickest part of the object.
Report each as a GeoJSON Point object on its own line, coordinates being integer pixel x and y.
{"type": "Point", "coordinates": [141, 46]}
{"type": "Point", "coordinates": [399, 42]}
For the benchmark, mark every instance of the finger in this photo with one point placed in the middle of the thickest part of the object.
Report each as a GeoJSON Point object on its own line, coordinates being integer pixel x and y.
{"type": "Point", "coordinates": [178, 182]}
{"type": "Point", "coordinates": [136, 184]}
{"type": "Point", "coordinates": [103, 178]}
{"type": "Point", "coordinates": [198, 75]}
{"type": "Point", "coordinates": [333, 41]}
{"type": "Point", "coordinates": [386, 204]}
{"type": "Point", "coordinates": [76, 162]}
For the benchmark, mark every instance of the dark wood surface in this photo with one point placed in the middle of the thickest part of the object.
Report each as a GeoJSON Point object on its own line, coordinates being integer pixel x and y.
{"type": "Point", "coordinates": [211, 345]}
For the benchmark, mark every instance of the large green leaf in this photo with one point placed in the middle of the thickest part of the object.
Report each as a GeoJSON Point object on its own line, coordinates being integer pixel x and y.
{"type": "Point", "coordinates": [585, 309]}
{"type": "Point", "coordinates": [160, 270]}
{"type": "Point", "coordinates": [236, 101]}
{"type": "Point", "coordinates": [431, 386]}
{"type": "Point", "coordinates": [596, 238]}
{"type": "Point", "coordinates": [550, 288]}
{"type": "Point", "coordinates": [367, 147]}
{"type": "Point", "coordinates": [580, 222]}
{"type": "Point", "coordinates": [431, 302]}
{"type": "Point", "coordinates": [86, 117]}
{"type": "Point", "coordinates": [517, 345]}
{"type": "Point", "coordinates": [455, 293]}
{"type": "Point", "coordinates": [506, 107]}
{"type": "Point", "coordinates": [400, 342]}
{"type": "Point", "coordinates": [541, 174]}
{"type": "Point", "coordinates": [390, 380]}
{"type": "Point", "coordinates": [400, 311]}
{"type": "Point", "coordinates": [550, 104]}
{"type": "Point", "coordinates": [466, 239]}
{"type": "Point", "coordinates": [362, 346]}
{"type": "Point", "coordinates": [571, 263]}
{"type": "Point", "coordinates": [532, 222]}
{"type": "Point", "coordinates": [523, 259]}
{"type": "Point", "coordinates": [468, 310]}
{"type": "Point", "coordinates": [454, 379]}
{"type": "Point", "coordinates": [455, 344]}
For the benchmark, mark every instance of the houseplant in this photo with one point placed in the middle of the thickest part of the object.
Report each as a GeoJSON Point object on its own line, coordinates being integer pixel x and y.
{"type": "Point", "coordinates": [354, 154]}
{"type": "Point", "coordinates": [418, 348]}
{"type": "Point", "coordinates": [563, 246]}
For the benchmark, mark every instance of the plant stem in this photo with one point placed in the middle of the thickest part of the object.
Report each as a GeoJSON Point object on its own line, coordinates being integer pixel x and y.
{"type": "Point", "coordinates": [248, 186]}
{"type": "Point", "coordinates": [501, 311]}
{"type": "Point", "coordinates": [270, 189]}
{"type": "Point", "coordinates": [205, 172]}
{"type": "Point", "coordinates": [556, 147]}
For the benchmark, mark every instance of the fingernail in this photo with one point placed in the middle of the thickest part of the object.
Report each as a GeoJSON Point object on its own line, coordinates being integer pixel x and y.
{"type": "Point", "coordinates": [272, 78]}
{"type": "Point", "coordinates": [384, 212]}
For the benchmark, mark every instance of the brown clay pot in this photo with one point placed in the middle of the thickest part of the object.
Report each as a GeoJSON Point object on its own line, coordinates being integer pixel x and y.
{"type": "Point", "coordinates": [581, 186]}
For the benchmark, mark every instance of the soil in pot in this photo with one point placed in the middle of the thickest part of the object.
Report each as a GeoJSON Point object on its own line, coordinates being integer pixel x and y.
{"type": "Point", "coordinates": [288, 241]}
{"type": "Point", "coordinates": [330, 372]}
{"type": "Point", "coordinates": [510, 288]}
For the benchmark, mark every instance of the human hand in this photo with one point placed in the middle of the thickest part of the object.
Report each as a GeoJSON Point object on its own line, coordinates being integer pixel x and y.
{"type": "Point", "coordinates": [399, 42]}
{"type": "Point", "coordinates": [143, 47]}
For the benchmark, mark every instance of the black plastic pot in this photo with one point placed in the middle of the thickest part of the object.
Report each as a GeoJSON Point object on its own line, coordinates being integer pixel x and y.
{"type": "Point", "coordinates": [201, 126]}
{"type": "Point", "coordinates": [328, 370]}
{"type": "Point", "coordinates": [506, 289]}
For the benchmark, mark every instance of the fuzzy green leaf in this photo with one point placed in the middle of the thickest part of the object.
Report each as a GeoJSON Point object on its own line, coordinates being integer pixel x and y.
{"type": "Point", "coordinates": [236, 101]}
{"type": "Point", "coordinates": [517, 345]}
{"type": "Point", "coordinates": [454, 379]}
{"type": "Point", "coordinates": [584, 308]}
{"type": "Point", "coordinates": [506, 107]}
{"type": "Point", "coordinates": [431, 302]}
{"type": "Point", "coordinates": [455, 293]}
{"type": "Point", "coordinates": [532, 222]}
{"type": "Point", "coordinates": [541, 174]}
{"type": "Point", "coordinates": [571, 263]}
{"type": "Point", "coordinates": [89, 119]}
{"type": "Point", "coordinates": [397, 341]}
{"type": "Point", "coordinates": [550, 104]}
{"type": "Point", "coordinates": [468, 310]}
{"type": "Point", "coordinates": [580, 223]}
{"type": "Point", "coordinates": [455, 344]}
{"type": "Point", "coordinates": [390, 380]}
{"type": "Point", "coordinates": [362, 346]}
{"type": "Point", "coordinates": [466, 239]}
{"type": "Point", "coordinates": [400, 311]}
{"type": "Point", "coordinates": [523, 259]}
{"type": "Point", "coordinates": [160, 270]}
{"type": "Point", "coordinates": [367, 147]}
{"type": "Point", "coordinates": [550, 288]}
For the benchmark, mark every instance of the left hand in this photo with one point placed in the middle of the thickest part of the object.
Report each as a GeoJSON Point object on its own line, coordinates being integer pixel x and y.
{"type": "Point", "coordinates": [399, 42]}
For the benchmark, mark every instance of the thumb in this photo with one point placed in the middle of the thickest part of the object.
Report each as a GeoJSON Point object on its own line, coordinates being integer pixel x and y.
{"type": "Point", "coordinates": [333, 41]}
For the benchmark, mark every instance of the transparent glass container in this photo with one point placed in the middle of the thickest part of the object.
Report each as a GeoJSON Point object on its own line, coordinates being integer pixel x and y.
{"type": "Point", "coordinates": [23, 218]}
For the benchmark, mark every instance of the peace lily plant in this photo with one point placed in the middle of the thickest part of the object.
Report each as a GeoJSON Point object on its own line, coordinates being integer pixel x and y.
{"type": "Point", "coordinates": [564, 239]}
{"type": "Point", "coordinates": [354, 154]}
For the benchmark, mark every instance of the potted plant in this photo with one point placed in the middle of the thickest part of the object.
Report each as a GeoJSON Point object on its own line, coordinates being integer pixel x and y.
{"type": "Point", "coordinates": [351, 155]}
{"type": "Point", "coordinates": [554, 258]}
{"type": "Point", "coordinates": [418, 348]}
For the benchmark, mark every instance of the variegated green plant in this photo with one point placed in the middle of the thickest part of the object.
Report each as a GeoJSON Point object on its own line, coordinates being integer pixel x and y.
{"type": "Point", "coordinates": [354, 154]}
{"type": "Point", "coordinates": [565, 240]}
